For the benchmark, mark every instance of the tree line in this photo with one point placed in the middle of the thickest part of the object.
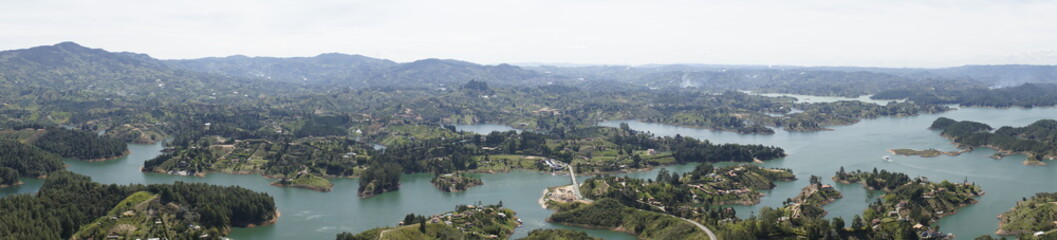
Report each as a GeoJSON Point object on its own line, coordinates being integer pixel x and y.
{"type": "Point", "coordinates": [68, 200]}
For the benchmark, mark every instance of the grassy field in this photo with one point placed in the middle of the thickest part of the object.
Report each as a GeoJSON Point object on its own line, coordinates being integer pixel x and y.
{"type": "Point", "coordinates": [402, 134]}
{"type": "Point", "coordinates": [932, 152]}
{"type": "Point", "coordinates": [23, 136]}
{"type": "Point", "coordinates": [506, 162]}
{"type": "Point", "coordinates": [311, 181]}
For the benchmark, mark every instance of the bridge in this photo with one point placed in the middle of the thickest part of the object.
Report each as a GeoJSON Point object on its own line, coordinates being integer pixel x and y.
{"type": "Point", "coordinates": [576, 186]}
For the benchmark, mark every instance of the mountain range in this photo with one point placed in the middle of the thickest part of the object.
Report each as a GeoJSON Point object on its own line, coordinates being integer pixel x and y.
{"type": "Point", "coordinates": [69, 66]}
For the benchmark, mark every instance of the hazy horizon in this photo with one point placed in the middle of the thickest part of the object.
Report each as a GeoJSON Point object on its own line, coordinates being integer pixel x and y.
{"type": "Point", "coordinates": [900, 34]}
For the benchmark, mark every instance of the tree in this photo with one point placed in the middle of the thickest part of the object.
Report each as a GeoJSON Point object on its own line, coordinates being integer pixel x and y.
{"type": "Point", "coordinates": [8, 176]}
{"type": "Point", "coordinates": [662, 176]}
{"type": "Point", "coordinates": [838, 223]}
{"type": "Point", "coordinates": [856, 223]}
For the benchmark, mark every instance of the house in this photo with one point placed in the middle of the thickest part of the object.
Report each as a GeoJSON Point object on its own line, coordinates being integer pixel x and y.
{"type": "Point", "coordinates": [932, 234]}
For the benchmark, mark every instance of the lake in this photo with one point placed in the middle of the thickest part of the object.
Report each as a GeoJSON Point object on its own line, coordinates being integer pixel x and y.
{"type": "Point", "coordinates": [484, 128]}
{"type": "Point", "coordinates": [825, 99]}
{"type": "Point", "coordinates": [317, 215]}
{"type": "Point", "coordinates": [862, 146]}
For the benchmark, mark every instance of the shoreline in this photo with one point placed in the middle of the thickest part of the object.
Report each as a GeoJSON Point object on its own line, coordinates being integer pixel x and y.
{"type": "Point", "coordinates": [274, 220]}
{"type": "Point", "coordinates": [123, 154]}
{"type": "Point", "coordinates": [11, 185]}
{"type": "Point", "coordinates": [302, 186]}
{"type": "Point", "coordinates": [930, 153]}
{"type": "Point", "coordinates": [695, 127]}
{"type": "Point", "coordinates": [1002, 153]}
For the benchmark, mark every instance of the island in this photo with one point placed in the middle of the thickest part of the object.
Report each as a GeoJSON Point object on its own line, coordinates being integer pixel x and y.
{"type": "Point", "coordinates": [928, 153]}
{"type": "Point", "coordinates": [380, 178]}
{"type": "Point", "coordinates": [811, 199]}
{"type": "Point", "coordinates": [907, 211]}
{"type": "Point", "coordinates": [557, 234]}
{"type": "Point", "coordinates": [610, 214]}
{"type": "Point", "coordinates": [708, 185]}
{"type": "Point", "coordinates": [465, 222]}
{"type": "Point", "coordinates": [909, 206]}
{"type": "Point", "coordinates": [1037, 141]}
{"type": "Point", "coordinates": [71, 206]}
{"type": "Point", "coordinates": [305, 180]}
{"type": "Point", "coordinates": [1030, 218]}
{"type": "Point", "coordinates": [455, 182]}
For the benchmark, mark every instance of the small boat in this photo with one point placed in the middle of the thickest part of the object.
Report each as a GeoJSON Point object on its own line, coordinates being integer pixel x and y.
{"type": "Point", "coordinates": [887, 158]}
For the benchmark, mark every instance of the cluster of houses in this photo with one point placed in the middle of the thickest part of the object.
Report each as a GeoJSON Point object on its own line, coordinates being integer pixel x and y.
{"type": "Point", "coordinates": [554, 165]}
{"type": "Point", "coordinates": [461, 221]}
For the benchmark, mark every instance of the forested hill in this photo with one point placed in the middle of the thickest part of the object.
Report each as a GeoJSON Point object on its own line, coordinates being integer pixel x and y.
{"type": "Point", "coordinates": [796, 80]}
{"type": "Point", "coordinates": [998, 75]}
{"type": "Point", "coordinates": [1038, 140]}
{"type": "Point", "coordinates": [1026, 95]}
{"type": "Point", "coordinates": [69, 204]}
{"type": "Point", "coordinates": [330, 68]}
{"type": "Point", "coordinates": [67, 67]}
{"type": "Point", "coordinates": [358, 71]}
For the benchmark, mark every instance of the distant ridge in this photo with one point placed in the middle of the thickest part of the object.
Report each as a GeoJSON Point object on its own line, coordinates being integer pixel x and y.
{"type": "Point", "coordinates": [68, 65]}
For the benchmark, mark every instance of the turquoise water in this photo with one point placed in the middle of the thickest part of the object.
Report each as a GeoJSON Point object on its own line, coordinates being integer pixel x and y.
{"type": "Point", "coordinates": [824, 99]}
{"type": "Point", "coordinates": [484, 128]}
{"type": "Point", "coordinates": [862, 145]}
{"type": "Point", "coordinates": [309, 214]}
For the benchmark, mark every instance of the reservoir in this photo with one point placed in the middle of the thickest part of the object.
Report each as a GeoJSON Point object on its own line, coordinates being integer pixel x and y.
{"type": "Point", "coordinates": [309, 214]}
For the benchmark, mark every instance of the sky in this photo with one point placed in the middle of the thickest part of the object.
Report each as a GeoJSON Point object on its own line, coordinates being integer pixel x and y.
{"type": "Point", "coordinates": [881, 33]}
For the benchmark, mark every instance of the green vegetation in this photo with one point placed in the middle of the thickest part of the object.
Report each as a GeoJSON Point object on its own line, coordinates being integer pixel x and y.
{"type": "Point", "coordinates": [8, 177]}
{"type": "Point", "coordinates": [1026, 95]}
{"type": "Point", "coordinates": [466, 222]}
{"type": "Point", "coordinates": [609, 213]}
{"type": "Point", "coordinates": [883, 180]}
{"type": "Point", "coordinates": [691, 194]}
{"type": "Point", "coordinates": [1031, 215]}
{"type": "Point", "coordinates": [139, 133]}
{"type": "Point", "coordinates": [380, 178]}
{"type": "Point", "coordinates": [455, 182]}
{"type": "Point", "coordinates": [142, 215]}
{"type": "Point", "coordinates": [909, 207]}
{"type": "Point", "coordinates": [26, 160]}
{"type": "Point", "coordinates": [590, 149]}
{"type": "Point", "coordinates": [816, 116]}
{"type": "Point", "coordinates": [557, 234]}
{"type": "Point", "coordinates": [800, 217]}
{"type": "Point", "coordinates": [931, 152]}
{"type": "Point", "coordinates": [68, 203]}
{"type": "Point", "coordinates": [906, 211]}
{"type": "Point", "coordinates": [307, 181]}
{"type": "Point", "coordinates": [83, 145]}
{"type": "Point", "coordinates": [811, 199]}
{"type": "Point", "coordinates": [1037, 140]}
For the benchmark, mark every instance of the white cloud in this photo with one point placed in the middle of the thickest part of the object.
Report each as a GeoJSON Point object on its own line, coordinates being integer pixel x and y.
{"type": "Point", "coordinates": [815, 32]}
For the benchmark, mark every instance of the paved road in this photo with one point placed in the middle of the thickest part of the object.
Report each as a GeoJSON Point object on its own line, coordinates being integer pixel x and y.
{"type": "Point", "coordinates": [711, 235]}
{"type": "Point", "coordinates": [576, 187]}
{"type": "Point", "coordinates": [576, 190]}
